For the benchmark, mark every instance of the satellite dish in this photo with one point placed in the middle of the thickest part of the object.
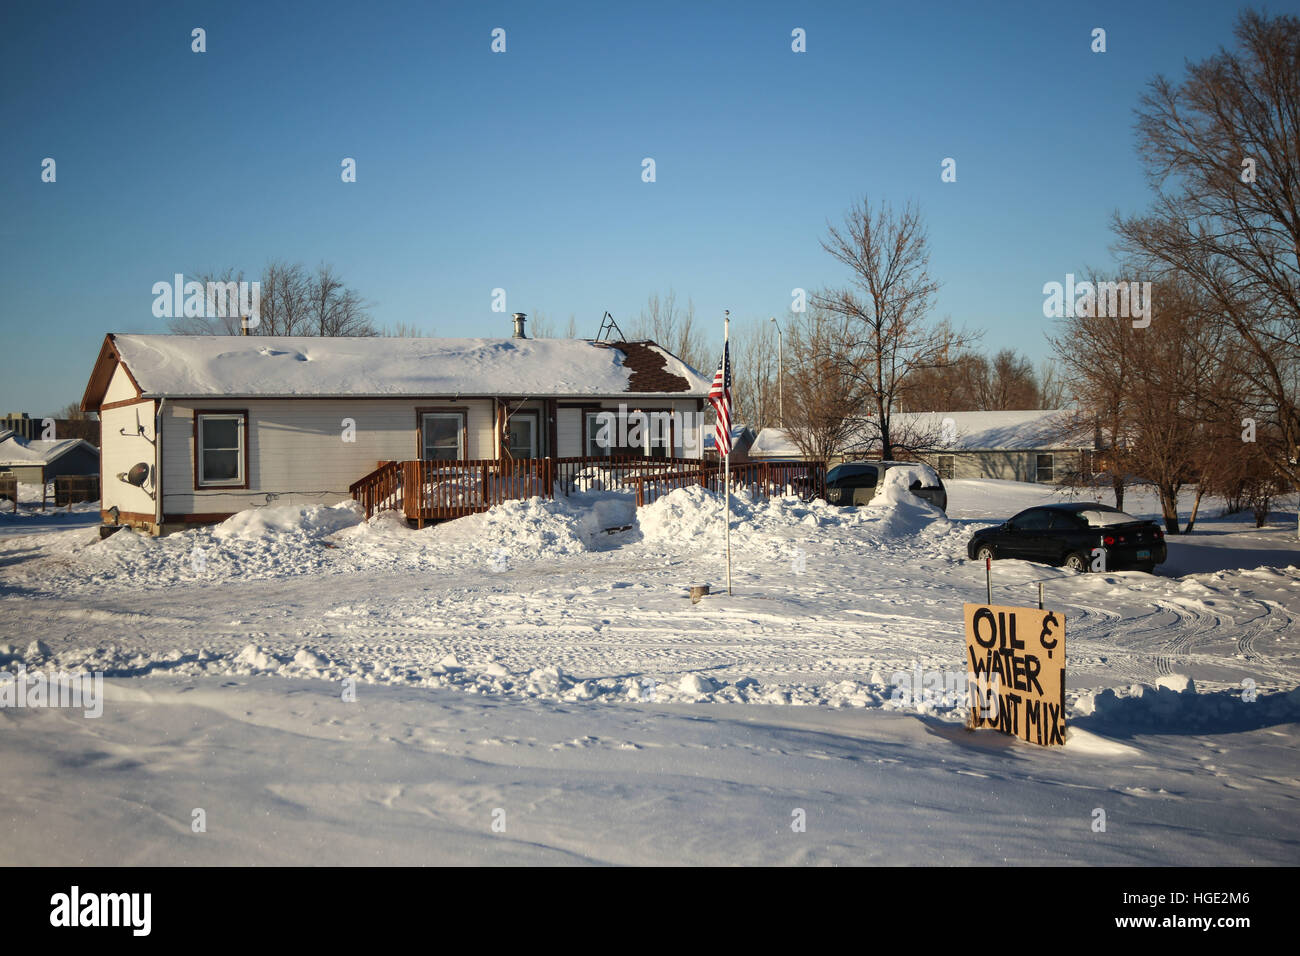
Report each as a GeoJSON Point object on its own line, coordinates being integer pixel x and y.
{"type": "Point", "coordinates": [138, 474]}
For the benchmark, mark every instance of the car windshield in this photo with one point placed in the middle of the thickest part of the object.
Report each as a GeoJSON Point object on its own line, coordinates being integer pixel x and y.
{"type": "Point", "coordinates": [1097, 518]}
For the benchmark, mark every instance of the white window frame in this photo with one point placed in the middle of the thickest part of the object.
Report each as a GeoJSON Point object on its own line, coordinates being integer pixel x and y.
{"type": "Point", "coordinates": [240, 419]}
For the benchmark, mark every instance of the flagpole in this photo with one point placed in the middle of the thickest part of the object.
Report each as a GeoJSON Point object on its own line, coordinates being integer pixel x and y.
{"type": "Point", "coordinates": [726, 497]}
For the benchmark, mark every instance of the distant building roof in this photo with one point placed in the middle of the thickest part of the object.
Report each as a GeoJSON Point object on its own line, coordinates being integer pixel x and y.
{"type": "Point", "coordinates": [774, 443]}
{"type": "Point", "coordinates": [16, 451]}
{"type": "Point", "coordinates": [998, 431]}
{"type": "Point", "coordinates": [970, 431]}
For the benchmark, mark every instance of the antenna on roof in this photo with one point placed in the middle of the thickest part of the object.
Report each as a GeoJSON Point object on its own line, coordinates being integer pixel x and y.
{"type": "Point", "coordinates": [607, 326]}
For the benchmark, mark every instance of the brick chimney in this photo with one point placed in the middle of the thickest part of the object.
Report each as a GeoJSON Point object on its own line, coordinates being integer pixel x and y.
{"type": "Point", "coordinates": [520, 318]}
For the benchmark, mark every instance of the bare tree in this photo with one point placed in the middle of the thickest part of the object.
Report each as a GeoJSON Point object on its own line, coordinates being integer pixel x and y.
{"type": "Point", "coordinates": [293, 301]}
{"type": "Point", "coordinates": [405, 330]}
{"type": "Point", "coordinates": [667, 323]}
{"type": "Point", "coordinates": [823, 400]}
{"type": "Point", "coordinates": [333, 308]}
{"type": "Point", "coordinates": [1221, 151]}
{"type": "Point", "coordinates": [948, 387]}
{"type": "Point", "coordinates": [1096, 354]}
{"type": "Point", "coordinates": [227, 321]}
{"type": "Point", "coordinates": [72, 412]}
{"type": "Point", "coordinates": [1176, 384]}
{"type": "Point", "coordinates": [884, 309]}
{"type": "Point", "coordinates": [1052, 389]}
{"type": "Point", "coordinates": [754, 374]}
{"type": "Point", "coordinates": [1006, 382]}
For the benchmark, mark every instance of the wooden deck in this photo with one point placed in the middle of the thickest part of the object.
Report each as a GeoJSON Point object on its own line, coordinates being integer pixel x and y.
{"type": "Point", "coordinates": [435, 490]}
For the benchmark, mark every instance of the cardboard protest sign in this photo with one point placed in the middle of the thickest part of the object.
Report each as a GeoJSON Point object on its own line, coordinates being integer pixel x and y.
{"type": "Point", "coordinates": [1016, 657]}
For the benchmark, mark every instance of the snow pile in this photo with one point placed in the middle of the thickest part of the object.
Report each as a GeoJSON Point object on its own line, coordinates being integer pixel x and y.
{"type": "Point", "coordinates": [695, 514]}
{"type": "Point", "coordinates": [537, 528]}
{"type": "Point", "coordinates": [902, 512]}
{"type": "Point", "coordinates": [685, 514]}
{"type": "Point", "coordinates": [1172, 703]}
{"type": "Point", "coordinates": [311, 521]}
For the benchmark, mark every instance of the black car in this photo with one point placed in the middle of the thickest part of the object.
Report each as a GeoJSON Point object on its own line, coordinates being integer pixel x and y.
{"type": "Point", "coordinates": [856, 482]}
{"type": "Point", "coordinates": [1066, 534]}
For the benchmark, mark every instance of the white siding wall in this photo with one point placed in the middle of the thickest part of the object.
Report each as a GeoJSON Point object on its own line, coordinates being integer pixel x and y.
{"type": "Point", "coordinates": [119, 452]}
{"type": "Point", "coordinates": [295, 447]}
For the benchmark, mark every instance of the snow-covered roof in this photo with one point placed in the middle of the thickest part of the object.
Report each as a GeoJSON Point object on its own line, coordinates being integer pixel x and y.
{"type": "Point", "coordinates": [16, 451]}
{"type": "Point", "coordinates": [284, 366]}
{"type": "Point", "coordinates": [996, 431]}
{"type": "Point", "coordinates": [711, 436]}
{"type": "Point", "coordinates": [969, 431]}
{"type": "Point", "coordinates": [774, 443]}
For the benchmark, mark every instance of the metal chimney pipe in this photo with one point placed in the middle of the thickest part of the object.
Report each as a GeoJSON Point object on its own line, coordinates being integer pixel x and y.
{"type": "Point", "coordinates": [520, 318]}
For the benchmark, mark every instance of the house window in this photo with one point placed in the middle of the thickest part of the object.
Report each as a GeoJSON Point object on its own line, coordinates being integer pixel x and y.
{"type": "Point", "coordinates": [607, 435]}
{"type": "Point", "coordinates": [442, 435]}
{"type": "Point", "coordinates": [220, 448]}
{"type": "Point", "coordinates": [521, 435]}
{"type": "Point", "coordinates": [1044, 468]}
{"type": "Point", "coordinates": [945, 466]}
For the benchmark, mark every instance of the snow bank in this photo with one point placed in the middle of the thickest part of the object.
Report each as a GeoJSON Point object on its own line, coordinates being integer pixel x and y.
{"type": "Point", "coordinates": [313, 521]}
{"type": "Point", "coordinates": [695, 514]}
{"type": "Point", "coordinates": [901, 512]}
{"type": "Point", "coordinates": [1172, 703]}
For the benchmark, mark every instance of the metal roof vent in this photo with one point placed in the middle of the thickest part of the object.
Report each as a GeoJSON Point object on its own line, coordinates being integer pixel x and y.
{"type": "Point", "coordinates": [520, 318]}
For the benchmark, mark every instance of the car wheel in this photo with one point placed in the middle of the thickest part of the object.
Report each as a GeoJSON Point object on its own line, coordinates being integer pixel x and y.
{"type": "Point", "coordinates": [1076, 561]}
{"type": "Point", "coordinates": [985, 553]}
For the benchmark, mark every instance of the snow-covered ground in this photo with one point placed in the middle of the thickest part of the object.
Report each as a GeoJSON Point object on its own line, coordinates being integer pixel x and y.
{"type": "Point", "coordinates": [527, 660]}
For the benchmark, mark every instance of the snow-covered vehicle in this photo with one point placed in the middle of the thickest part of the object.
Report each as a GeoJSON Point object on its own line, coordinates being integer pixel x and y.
{"type": "Point", "coordinates": [857, 482]}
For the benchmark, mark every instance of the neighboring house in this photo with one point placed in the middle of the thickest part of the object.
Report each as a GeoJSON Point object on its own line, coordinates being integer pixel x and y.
{"type": "Point", "coordinates": [742, 439]}
{"type": "Point", "coordinates": [225, 423]}
{"type": "Point", "coordinates": [37, 462]}
{"type": "Point", "coordinates": [773, 443]}
{"type": "Point", "coordinates": [1033, 445]}
{"type": "Point", "coordinates": [1015, 445]}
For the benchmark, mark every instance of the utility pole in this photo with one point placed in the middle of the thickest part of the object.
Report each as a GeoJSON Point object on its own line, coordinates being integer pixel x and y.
{"type": "Point", "coordinates": [780, 375]}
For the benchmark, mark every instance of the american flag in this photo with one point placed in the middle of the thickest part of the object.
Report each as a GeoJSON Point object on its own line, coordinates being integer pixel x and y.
{"type": "Point", "coordinates": [720, 399]}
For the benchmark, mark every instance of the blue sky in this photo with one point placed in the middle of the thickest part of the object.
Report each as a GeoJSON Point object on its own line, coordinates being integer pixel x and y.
{"type": "Point", "coordinates": [522, 170]}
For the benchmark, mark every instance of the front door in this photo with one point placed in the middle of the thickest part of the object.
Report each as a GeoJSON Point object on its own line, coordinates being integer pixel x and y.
{"type": "Point", "coordinates": [521, 435]}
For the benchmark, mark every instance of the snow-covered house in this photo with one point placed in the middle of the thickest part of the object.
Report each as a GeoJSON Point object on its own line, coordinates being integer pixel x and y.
{"type": "Point", "coordinates": [1042, 445]}
{"type": "Point", "coordinates": [773, 443]}
{"type": "Point", "coordinates": [36, 462]}
{"type": "Point", "coordinates": [196, 428]}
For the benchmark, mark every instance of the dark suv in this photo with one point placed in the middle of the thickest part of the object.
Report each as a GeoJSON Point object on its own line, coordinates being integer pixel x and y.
{"type": "Point", "coordinates": [1066, 534]}
{"type": "Point", "coordinates": [855, 483]}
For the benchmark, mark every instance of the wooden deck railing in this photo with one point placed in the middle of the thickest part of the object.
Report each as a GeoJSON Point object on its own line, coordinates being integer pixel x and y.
{"type": "Point", "coordinates": [434, 490]}
{"type": "Point", "coordinates": [379, 490]}
{"type": "Point", "coordinates": [760, 480]}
